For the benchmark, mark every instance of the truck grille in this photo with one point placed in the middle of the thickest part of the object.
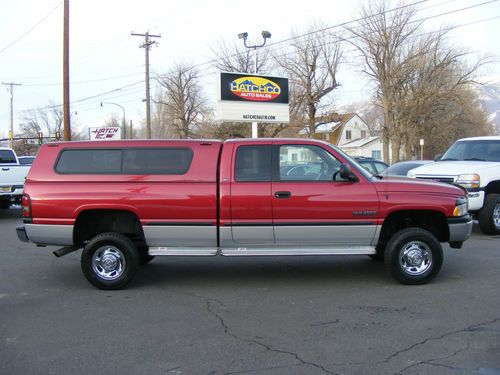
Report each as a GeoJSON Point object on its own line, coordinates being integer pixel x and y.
{"type": "Point", "coordinates": [447, 180]}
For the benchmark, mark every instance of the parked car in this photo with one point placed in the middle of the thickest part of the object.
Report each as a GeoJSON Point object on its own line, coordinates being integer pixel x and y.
{"type": "Point", "coordinates": [12, 176]}
{"type": "Point", "coordinates": [473, 163]}
{"type": "Point", "coordinates": [402, 168]}
{"type": "Point", "coordinates": [26, 160]}
{"type": "Point", "coordinates": [374, 166]}
{"type": "Point", "coordinates": [124, 202]}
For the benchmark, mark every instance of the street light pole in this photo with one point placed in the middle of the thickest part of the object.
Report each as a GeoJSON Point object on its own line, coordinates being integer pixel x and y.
{"type": "Point", "coordinates": [123, 118]}
{"type": "Point", "coordinates": [265, 35]}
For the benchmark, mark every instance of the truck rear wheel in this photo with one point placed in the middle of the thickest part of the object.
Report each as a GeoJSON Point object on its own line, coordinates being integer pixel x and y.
{"type": "Point", "coordinates": [110, 261]}
{"type": "Point", "coordinates": [489, 216]}
{"type": "Point", "coordinates": [413, 256]}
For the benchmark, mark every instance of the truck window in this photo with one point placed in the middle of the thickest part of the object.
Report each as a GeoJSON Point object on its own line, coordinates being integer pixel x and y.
{"type": "Point", "coordinates": [253, 163]}
{"type": "Point", "coordinates": [174, 160]}
{"type": "Point", "coordinates": [7, 157]}
{"type": "Point", "coordinates": [306, 163]}
{"type": "Point", "coordinates": [89, 161]}
{"type": "Point", "coordinates": [170, 160]}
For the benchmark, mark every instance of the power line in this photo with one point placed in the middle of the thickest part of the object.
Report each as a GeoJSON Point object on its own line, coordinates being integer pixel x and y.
{"type": "Point", "coordinates": [31, 29]}
{"type": "Point", "coordinates": [86, 81]}
{"type": "Point", "coordinates": [206, 65]}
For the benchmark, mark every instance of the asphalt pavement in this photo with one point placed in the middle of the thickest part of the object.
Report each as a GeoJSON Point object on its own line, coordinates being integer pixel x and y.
{"type": "Point", "coordinates": [300, 315]}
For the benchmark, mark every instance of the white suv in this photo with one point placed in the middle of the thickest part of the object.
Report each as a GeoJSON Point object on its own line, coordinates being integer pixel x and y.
{"type": "Point", "coordinates": [473, 163]}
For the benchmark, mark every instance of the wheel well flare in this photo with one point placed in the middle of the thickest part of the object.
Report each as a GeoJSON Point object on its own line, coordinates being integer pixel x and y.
{"type": "Point", "coordinates": [93, 222]}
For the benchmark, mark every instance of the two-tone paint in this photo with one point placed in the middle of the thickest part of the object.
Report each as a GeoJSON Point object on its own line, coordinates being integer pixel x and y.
{"type": "Point", "coordinates": [207, 212]}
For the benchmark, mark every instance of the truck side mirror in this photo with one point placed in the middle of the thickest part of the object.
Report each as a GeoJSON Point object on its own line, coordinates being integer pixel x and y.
{"type": "Point", "coordinates": [345, 173]}
{"type": "Point", "coordinates": [438, 157]}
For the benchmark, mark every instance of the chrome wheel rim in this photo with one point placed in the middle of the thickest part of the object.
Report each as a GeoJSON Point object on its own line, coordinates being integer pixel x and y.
{"type": "Point", "coordinates": [108, 263]}
{"type": "Point", "coordinates": [496, 215]}
{"type": "Point", "coordinates": [415, 258]}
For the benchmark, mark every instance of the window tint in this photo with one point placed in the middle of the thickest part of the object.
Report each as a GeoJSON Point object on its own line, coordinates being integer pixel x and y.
{"type": "Point", "coordinates": [7, 156]}
{"type": "Point", "coordinates": [157, 161]}
{"type": "Point", "coordinates": [253, 163]}
{"type": "Point", "coordinates": [89, 161]}
{"type": "Point", "coordinates": [128, 161]}
{"type": "Point", "coordinates": [306, 163]}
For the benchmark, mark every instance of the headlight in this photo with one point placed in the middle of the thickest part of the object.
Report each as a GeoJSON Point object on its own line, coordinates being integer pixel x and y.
{"type": "Point", "coordinates": [469, 181]}
{"type": "Point", "coordinates": [461, 207]}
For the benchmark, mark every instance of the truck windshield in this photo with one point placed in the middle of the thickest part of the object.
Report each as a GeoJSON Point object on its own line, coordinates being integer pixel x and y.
{"type": "Point", "coordinates": [7, 157]}
{"type": "Point", "coordinates": [478, 150]}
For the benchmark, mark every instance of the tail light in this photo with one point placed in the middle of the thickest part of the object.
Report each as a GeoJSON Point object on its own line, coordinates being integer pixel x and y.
{"type": "Point", "coordinates": [26, 205]}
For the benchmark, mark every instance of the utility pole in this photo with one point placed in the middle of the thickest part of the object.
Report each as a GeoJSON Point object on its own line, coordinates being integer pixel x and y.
{"type": "Point", "coordinates": [11, 132]}
{"type": "Point", "coordinates": [66, 110]}
{"type": "Point", "coordinates": [147, 45]}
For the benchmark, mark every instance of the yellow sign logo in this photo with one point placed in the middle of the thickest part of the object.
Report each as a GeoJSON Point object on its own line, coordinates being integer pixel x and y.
{"type": "Point", "coordinates": [255, 88]}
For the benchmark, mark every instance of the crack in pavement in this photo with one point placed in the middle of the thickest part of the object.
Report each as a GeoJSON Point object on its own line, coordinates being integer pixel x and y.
{"type": "Point", "coordinates": [431, 362]}
{"type": "Point", "coordinates": [472, 328]}
{"type": "Point", "coordinates": [210, 301]}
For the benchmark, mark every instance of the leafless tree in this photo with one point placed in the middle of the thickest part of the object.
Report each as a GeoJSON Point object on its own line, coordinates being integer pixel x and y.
{"type": "Point", "coordinates": [312, 64]}
{"type": "Point", "coordinates": [112, 121]}
{"type": "Point", "coordinates": [381, 37]}
{"type": "Point", "coordinates": [48, 120]}
{"type": "Point", "coordinates": [183, 100]}
{"type": "Point", "coordinates": [235, 57]}
{"type": "Point", "coordinates": [418, 77]}
{"type": "Point", "coordinates": [161, 118]}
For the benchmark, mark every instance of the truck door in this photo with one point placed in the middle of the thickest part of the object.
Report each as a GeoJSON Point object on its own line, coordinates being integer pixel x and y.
{"type": "Point", "coordinates": [251, 204]}
{"type": "Point", "coordinates": [313, 206]}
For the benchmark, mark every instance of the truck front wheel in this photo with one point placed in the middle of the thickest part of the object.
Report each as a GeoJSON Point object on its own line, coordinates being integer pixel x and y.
{"type": "Point", "coordinates": [110, 261]}
{"type": "Point", "coordinates": [489, 216]}
{"type": "Point", "coordinates": [413, 256]}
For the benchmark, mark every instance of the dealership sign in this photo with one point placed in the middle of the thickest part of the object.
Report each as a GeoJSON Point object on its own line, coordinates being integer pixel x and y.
{"type": "Point", "coordinates": [253, 98]}
{"type": "Point", "coordinates": [105, 133]}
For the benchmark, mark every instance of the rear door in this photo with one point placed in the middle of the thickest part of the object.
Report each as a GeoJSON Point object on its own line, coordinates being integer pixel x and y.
{"type": "Point", "coordinates": [251, 203]}
{"type": "Point", "coordinates": [313, 206]}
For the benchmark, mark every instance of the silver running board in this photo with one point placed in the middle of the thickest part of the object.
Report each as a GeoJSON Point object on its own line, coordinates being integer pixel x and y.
{"type": "Point", "coordinates": [263, 251]}
{"type": "Point", "coordinates": [341, 250]}
{"type": "Point", "coordinates": [177, 251]}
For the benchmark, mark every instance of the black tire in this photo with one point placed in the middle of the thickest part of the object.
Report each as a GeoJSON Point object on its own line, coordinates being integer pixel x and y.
{"type": "Point", "coordinates": [489, 215]}
{"type": "Point", "coordinates": [413, 256]}
{"type": "Point", "coordinates": [110, 261]}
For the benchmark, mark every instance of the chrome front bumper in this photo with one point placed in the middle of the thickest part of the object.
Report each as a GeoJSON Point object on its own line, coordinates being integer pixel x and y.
{"type": "Point", "coordinates": [460, 228]}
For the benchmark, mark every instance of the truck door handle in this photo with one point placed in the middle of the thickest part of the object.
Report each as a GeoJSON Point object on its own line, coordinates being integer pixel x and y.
{"type": "Point", "coordinates": [282, 194]}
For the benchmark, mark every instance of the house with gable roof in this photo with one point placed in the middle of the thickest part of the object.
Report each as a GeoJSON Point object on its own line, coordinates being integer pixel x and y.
{"type": "Point", "coordinates": [352, 134]}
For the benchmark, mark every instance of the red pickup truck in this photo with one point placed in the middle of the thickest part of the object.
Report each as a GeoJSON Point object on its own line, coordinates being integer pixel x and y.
{"type": "Point", "coordinates": [125, 202]}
